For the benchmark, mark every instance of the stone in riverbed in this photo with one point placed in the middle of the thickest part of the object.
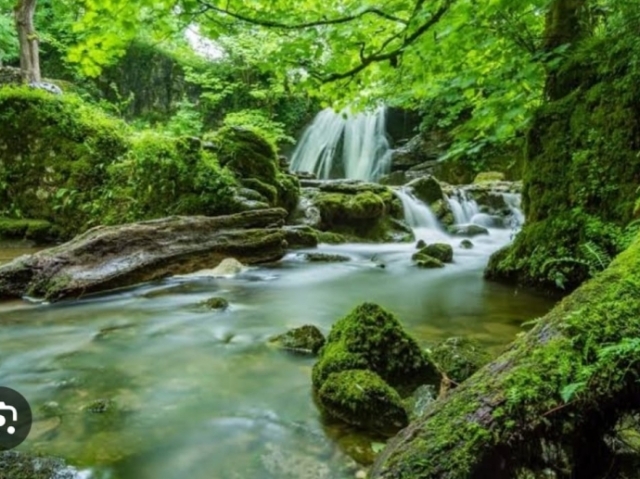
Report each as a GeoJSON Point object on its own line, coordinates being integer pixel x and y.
{"type": "Point", "coordinates": [468, 230]}
{"type": "Point", "coordinates": [466, 244]}
{"type": "Point", "coordinates": [440, 251]}
{"type": "Point", "coordinates": [420, 244]}
{"type": "Point", "coordinates": [301, 236]}
{"type": "Point", "coordinates": [325, 258]}
{"type": "Point", "coordinates": [363, 399]}
{"type": "Point", "coordinates": [428, 262]}
{"type": "Point", "coordinates": [18, 465]}
{"type": "Point", "coordinates": [306, 340]}
{"type": "Point", "coordinates": [216, 303]}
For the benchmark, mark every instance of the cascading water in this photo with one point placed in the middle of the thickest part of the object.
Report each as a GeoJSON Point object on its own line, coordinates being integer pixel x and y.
{"type": "Point", "coordinates": [416, 213]}
{"type": "Point", "coordinates": [513, 201]}
{"type": "Point", "coordinates": [352, 146]}
{"type": "Point", "coordinates": [463, 207]}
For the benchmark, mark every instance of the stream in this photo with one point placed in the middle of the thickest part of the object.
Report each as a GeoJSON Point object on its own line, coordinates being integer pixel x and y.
{"type": "Point", "coordinates": [191, 393]}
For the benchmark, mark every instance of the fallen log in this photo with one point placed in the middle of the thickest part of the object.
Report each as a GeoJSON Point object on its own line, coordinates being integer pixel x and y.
{"type": "Point", "coordinates": [109, 257]}
{"type": "Point", "coordinates": [546, 403]}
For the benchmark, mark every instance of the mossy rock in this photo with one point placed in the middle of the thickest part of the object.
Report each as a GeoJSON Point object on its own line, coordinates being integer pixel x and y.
{"type": "Point", "coordinates": [427, 262]}
{"type": "Point", "coordinates": [18, 465]}
{"type": "Point", "coordinates": [363, 399]}
{"type": "Point", "coordinates": [216, 303]}
{"type": "Point", "coordinates": [330, 237]}
{"type": "Point", "coordinates": [466, 244]}
{"type": "Point", "coordinates": [339, 207]}
{"type": "Point", "coordinates": [371, 338]}
{"type": "Point", "coordinates": [61, 163]}
{"type": "Point", "coordinates": [421, 244]}
{"type": "Point", "coordinates": [305, 339]}
{"type": "Point", "coordinates": [489, 176]}
{"type": "Point", "coordinates": [439, 251]}
{"type": "Point", "coordinates": [427, 189]}
{"type": "Point", "coordinates": [459, 358]}
{"type": "Point", "coordinates": [301, 236]}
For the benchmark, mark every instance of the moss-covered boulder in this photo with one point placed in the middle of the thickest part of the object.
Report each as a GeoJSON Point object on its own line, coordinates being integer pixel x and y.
{"type": "Point", "coordinates": [363, 399]}
{"type": "Point", "coordinates": [305, 339]}
{"type": "Point", "coordinates": [459, 358]}
{"type": "Point", "coordinates": [301, 236]}
{"type": "Point", "coordinates": [439, 251]}
{"type": "Point", "coordinates": [489, 176]}
{"type": "Point", "coordinates": [54, 155]}
{"type": "Point", "coordinates": [371, 338]}
{"type": "Point", "coordinates": [354, 209]}
{"type": "Point", "coordinates": [466, 244]}
{"type": "Point", "coordinates": [254, 162]}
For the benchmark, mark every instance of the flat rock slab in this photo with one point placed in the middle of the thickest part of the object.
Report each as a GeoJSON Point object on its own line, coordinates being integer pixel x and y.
{"type": "Point", "coordinates": [109, 257]}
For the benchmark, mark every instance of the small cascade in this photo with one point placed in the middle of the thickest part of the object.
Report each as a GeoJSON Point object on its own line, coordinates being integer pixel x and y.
{"type": "Point", "coordinates": [514, 202]}
{"type": "Point", "coordinates": [346, 145]}
{"type": "Point", "coordinates": [463, 207]}
{"type": "Point", "coordinates": [416, 213]}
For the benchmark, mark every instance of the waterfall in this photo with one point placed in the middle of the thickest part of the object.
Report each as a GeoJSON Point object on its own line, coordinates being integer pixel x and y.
{"type": "Point", "coordinates": [462, 207]}
{"type": "Point", "coordinates": [352, 146]}
{"type": "Point", "coordinates": [513, 201]}
{"type": "Point", "coordinates": [416, 213]}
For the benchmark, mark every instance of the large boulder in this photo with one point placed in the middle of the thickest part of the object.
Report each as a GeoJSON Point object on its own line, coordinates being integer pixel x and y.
{"type": "Point", "coordinates": [440, 251]}
{"type": "Point", "coordinates": [105, 258]}
{"type": "Point", "coordinates": [354, 209]}
{"type": "Point", "coordinates": [371, 338]}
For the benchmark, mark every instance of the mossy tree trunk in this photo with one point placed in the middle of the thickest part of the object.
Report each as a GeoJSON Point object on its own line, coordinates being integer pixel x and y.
{"type": "Point", "coordinates": [28, 39]}
{"type": "Point", "coordinates": [561, 387]}
{"type": "Point", "coordinates": [563, 27]}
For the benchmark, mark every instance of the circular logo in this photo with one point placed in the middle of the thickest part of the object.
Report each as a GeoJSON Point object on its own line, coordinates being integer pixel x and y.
{"type": "Point", "coordinates": [15, 418]}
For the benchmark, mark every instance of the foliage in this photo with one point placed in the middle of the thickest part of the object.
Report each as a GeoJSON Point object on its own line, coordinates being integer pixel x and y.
{"type": "Point", "coordinates": [258, 121]}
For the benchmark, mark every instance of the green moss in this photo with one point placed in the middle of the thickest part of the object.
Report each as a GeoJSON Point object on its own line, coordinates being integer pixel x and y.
{"type": "Point", "coordinates": [440, 251]}
{"type": "Point", "coordinates": [459, 358]}
{"type": "Point", "coordinates": [363, 399]}
{"type": "Point", "coordinates": [216, 303]}
{"type": "Point", "coordinates": [427, 262]}
{"type": "Point", "coordinates": [39, 231]}
{"type": "Point", "coordinates": [55, 171]}
{"type": "Point", "coordinates": [489, 176]}
{"type": "Point", "coordinates": [580, 179]}
{"type": "Point", "coordinates": [371, 338]}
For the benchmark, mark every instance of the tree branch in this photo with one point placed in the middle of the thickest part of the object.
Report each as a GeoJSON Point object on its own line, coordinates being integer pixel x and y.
{"type": "Point", "coordinates": [300, 26]}
{"type": "Point", "coordinates": [379, 56]}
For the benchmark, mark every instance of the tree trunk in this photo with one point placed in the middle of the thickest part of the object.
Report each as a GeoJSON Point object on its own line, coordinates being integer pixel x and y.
{"type": "Point", "coordinates": [546, 402]}
{"type": "Point", "coordinates": [28, 39]}
{"type": "Point", "coordinates": [563, 27]}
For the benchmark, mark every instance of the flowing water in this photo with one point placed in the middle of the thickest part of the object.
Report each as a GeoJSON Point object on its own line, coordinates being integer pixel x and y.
{"type": "Point", "coordinates": [200, 394]}
{"type": "Point", "coordinates": [344, 145]}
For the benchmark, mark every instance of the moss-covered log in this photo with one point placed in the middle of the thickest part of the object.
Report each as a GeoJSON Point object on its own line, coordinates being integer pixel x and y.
{"type": "Point", "coordinates": [559, 387]}
{"type": "Point", "coordinates": [105, 258]}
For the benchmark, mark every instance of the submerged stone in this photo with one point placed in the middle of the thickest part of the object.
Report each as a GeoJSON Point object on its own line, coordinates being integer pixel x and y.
{"type": "Point", "coordinates": [325, 258]}
{"type": "Point", "coordinates": [306, 339]}
{"type": "Point", "coordinates": [459, 358]}
{"type": "Point", "coordinates": [466, 244]}
{"type": "Point", "coordinates": [363, 399]}
{"type": "Point", "coordinates": [468, 230]}
{"type": "Point", "coordinates": [18, 465]}
{"type": "Point", "coordinates": [428, 262]}
{"type": "Point", "coordinates": [216, 303]}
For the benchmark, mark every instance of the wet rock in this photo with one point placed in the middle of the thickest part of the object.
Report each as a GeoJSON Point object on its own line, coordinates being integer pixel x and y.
{"type": "Point", "coordinates": [306, 340]}
{"type": "Point", "coordinates": [216, 303]}
{"type": "Point", "coordinates": [459, 358]}
{"type": "Point", "coordinates": [396, 178]}
{"type": "Point", "coordinates": [292, 465]}
{"type": "Point", "coordinates": [371, 338]}
{"type": "Point", "coordinates": [101, 406]}
{"type": "Point", "coordinates": [420, 400]}
{"type": "Point", "coordinates": [439, 251]}
{"type": "Point", "coordinates": [358, 447]}
{"type": "Point", "coordinates": [428, 262]}
{"type": "Point", "coordinates": [421, 244]}
{"type": "Point", "coordinates": [466, 244]}
{"type": "Point", "coordinates": [468, 230]}
{"type": "Point", "coordinates": [427, 189]}
{"type": "Point", "coordinates": [108, 257]}
{"type": "Point", "coordinates": [325, 258]}
{"type": "Point", "coordinates": [301, 236]}
{"type": "Point", "coordinates": [363, 399]}
{"type": "Point", "coordinates": [18, 465]}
